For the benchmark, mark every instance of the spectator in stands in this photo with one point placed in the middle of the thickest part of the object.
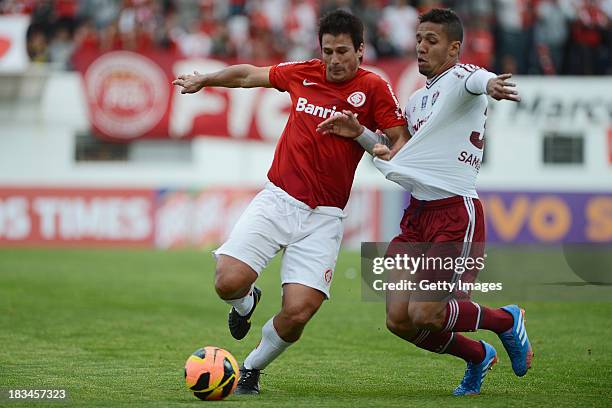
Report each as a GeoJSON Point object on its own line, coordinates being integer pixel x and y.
{"type": "Point", "coordinates": [513, 40]}
{"type": "Point", "coordinates": [300, 26]}
{"type": "Point", "coordinates": [86, 36]}
{"type": "Point", "coordinates": [589, 32]}
{"type": "Point", "coordinates": [102, 12]}
{"type": "Point", "coordinates": [61, 47]}
{"type": "Point", "coordinates": [607, 9]}
{"type": "Point", "coordinates": [108, 37]}
{"type": "Point", "coordinates": [37, 44]}
{"type": "Point", "coordinates": [479, 44]}
{"type": "Point", "coordinates": [551, 30]}
{"type": "Point", "coordinates": [193, 42]}
{"type": "Point", "coordinates": [399, 21]}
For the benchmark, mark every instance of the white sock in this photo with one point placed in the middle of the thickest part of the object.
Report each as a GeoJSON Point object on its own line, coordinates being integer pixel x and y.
{"type": "Point", "coordinates": [243, 305]}
{"type": "Point", "coordinates": [270, 347]}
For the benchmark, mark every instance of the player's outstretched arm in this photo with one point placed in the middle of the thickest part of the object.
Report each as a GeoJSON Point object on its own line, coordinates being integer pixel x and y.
{"type": "Point", "coordinates": [234, 76]}
{"type": "Point", "coordinates": [499, 88]}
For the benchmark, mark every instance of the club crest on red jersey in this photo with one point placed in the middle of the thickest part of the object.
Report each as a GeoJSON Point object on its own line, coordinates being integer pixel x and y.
{"type": "Point", "coordinates": [356, 99]}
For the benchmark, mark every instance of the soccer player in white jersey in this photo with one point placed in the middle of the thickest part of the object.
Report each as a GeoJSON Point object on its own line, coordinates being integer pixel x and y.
{"type": "Point", "coordinates": [439, 164]}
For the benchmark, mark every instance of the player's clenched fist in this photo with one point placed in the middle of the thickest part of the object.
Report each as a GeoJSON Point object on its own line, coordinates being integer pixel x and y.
{"type": "Point", "coordinates": [381, 151]}
{"type": "Point", "coordinates": [189, 83]}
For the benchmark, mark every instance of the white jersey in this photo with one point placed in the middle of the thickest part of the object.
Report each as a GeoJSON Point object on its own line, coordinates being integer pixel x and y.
{"type": "Point", "coordinates": [446, 119]}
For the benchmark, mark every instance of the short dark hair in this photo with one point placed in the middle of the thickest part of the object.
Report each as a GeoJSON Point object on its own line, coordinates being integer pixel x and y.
{"type": "Point", "coordinates": [341, 22]}
{"type": "Point", "coordinates": [448, 18]}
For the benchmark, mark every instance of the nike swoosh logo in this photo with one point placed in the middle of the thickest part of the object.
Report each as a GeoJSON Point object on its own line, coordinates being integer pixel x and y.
{"type": "Point", "coordinates": [306, 83]}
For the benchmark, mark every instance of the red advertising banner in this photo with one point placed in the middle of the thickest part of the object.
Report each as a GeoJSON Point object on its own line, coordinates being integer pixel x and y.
{"type": "Point", "coordinates": [130, 96]}
{"type": "Point", "coordinates": [76, 216]}
{"type": "Point", "coordinates": [149, 218]}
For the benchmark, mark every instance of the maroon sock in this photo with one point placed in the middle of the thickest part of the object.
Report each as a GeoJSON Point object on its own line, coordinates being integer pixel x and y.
{"type": "Point", "coordinates": [464, 316]}
{"type": "Point", "coordinates": [450, 343]}
{"type": "Point", "coordinates": [496, 320]}
{"type": "Point", "coordinates": [466, 348]}
{"type": "Point", "coordinates": [461, 316]}
{"type": "Point", "coordinates": [436, 342]}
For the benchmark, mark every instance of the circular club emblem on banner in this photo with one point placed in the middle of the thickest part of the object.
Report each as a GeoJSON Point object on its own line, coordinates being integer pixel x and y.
{"type": "Point", "coordinates": [127, 92]}
{"type": "Point", "coordinates": [356, 99]}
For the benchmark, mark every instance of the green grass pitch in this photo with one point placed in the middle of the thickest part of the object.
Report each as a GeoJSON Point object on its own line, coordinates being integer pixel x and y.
{"type": "Point", "coordinates": [114, 327]}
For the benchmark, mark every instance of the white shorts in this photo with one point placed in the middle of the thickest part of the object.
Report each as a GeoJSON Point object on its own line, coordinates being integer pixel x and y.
{"type": "Point", "coordinates": [310, 237]}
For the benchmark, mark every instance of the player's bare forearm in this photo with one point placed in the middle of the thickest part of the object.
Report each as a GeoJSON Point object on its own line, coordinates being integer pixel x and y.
{"type": "Point", "coordinates": [235, 76]}
{"type": "Point", "coordinates": [398, 136]}
{"type": "Point", "coordinates": [396, 147]}
{"type": "Point", "coordinates": [240, 76]}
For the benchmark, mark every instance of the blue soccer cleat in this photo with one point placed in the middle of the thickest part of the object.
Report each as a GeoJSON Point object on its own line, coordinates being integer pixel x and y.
{"type": "Point", "coordinates": [516, 343]}
{"type": "Point", "coordinates": [475, 373]}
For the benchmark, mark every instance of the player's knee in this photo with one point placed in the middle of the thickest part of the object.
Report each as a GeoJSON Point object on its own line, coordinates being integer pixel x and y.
{"type": "Point", "coordinates": [233, 278]}
{"type": "Point", "coordinates": [398, 325]}
{"type": "Point", "coordinates": [425, 317]}
{"type": "Point", "coordinates": [226, 286]}
{"type": "Point", "coordinates": [231, 284]}
{"type": "Point", "coordinates": [394, 326]}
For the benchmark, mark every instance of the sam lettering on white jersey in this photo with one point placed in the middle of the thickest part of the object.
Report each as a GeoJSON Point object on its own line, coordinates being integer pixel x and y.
{"type": "Point", "coordinates": [446, 119]}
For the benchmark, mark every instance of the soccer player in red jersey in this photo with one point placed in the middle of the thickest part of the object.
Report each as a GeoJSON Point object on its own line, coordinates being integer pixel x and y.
{"type": "Point", "coordinates": [439, 165]}
{"type": "Point", "coordinates": [300, 210]}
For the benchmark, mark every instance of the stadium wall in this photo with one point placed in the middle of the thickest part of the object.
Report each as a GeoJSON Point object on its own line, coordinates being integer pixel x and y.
{"type": "Point", "coordinates": [47, 197]}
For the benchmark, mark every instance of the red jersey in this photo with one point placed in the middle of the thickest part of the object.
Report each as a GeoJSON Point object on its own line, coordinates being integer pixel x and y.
{"type": "Point", "coordinates": [314, 168]}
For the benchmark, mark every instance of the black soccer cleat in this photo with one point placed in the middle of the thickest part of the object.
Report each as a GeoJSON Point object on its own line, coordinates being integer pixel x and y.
{"type": "Point", "coordinates": [248, 384]}
{"type": "Point", "coordinates": [239, 326]}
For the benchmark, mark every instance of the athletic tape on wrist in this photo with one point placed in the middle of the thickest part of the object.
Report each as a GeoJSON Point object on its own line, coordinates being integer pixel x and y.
{"type": "Point", "coordinates": [367, 139]}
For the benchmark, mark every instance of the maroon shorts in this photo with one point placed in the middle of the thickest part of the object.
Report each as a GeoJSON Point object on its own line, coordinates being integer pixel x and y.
{"type": "Point", "coordinates": [442, 230]}
{"type": "Point", "coordinates": [453, 219]}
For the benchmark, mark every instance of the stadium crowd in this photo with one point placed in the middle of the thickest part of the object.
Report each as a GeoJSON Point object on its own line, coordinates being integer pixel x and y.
{"type": "Point", "coordinates": [539, 37]}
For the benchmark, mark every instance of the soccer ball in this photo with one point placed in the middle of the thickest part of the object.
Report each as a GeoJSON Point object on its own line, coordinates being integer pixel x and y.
{"type": "Point", "coordinates": [211, 373]}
